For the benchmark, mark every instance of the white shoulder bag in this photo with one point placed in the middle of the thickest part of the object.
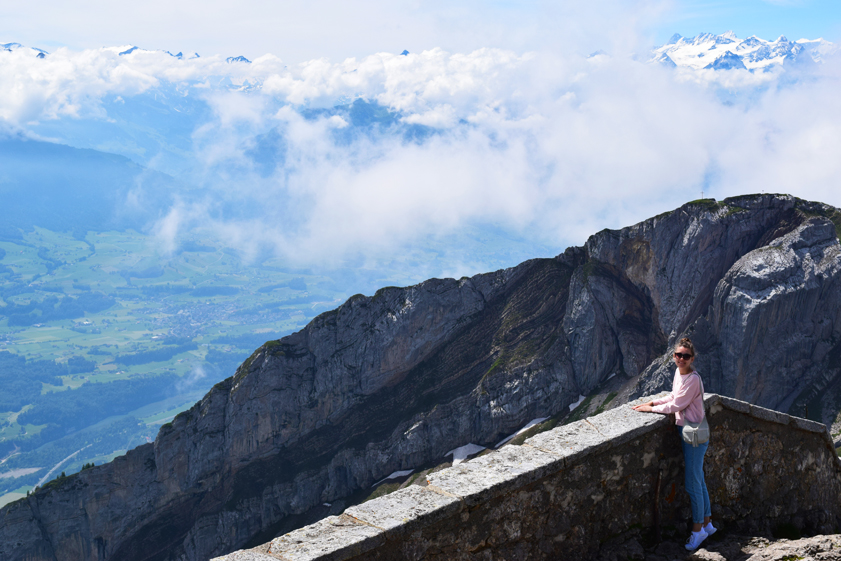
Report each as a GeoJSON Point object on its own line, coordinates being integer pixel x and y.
{"type": "Point", "coordinates": [696, 433]}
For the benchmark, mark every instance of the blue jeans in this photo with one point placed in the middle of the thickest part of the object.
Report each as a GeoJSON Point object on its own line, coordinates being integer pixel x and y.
{"type": "Point", "coordinates": [695, 484]}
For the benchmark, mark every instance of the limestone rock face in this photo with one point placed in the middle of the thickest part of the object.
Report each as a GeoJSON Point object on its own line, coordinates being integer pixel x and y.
{"type": "Point", "coordinates": [777, 310]}
{"type": "Point", "coordinates": [394, 381]}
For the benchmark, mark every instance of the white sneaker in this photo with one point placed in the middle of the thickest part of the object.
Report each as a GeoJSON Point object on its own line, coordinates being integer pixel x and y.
{"type": "Point", "coordinates": [709, 529]}
{"type": "Point", "coordinates": [695, 539]}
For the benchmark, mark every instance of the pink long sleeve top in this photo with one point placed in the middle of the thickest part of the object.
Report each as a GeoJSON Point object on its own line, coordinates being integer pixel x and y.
{"type": "Point", "coordinates": [685, 401]}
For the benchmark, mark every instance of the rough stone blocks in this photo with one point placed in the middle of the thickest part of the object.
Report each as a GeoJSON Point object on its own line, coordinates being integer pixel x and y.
{"type": "Point", "coordinates": [571, 442]}
{"type": "Point", "coordinates": [735, 404]}
{"type": "Point", "coordinates": [769, 415]}
{"type": "Point", "coordinates": [335, 538]}
{"type": "Point", "coordinates": [405, 509]}
{"type": "Point", "coordinates": [245, 556]}
{"type": "Point", "coordinates": [807, 425]}
{"type": "Point", "coordinates": [491, 475]}
{"type": "Point", "coordinates": [623, 424]}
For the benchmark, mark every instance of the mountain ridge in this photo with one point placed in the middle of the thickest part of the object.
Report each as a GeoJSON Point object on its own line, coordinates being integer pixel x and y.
{"type": "Point", "coordinates": [391, 381]}
{"type": "Point", "coordinates": [707, 51]}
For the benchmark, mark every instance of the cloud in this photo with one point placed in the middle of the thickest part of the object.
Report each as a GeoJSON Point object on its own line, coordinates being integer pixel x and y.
{"type": "Point", "coordinates": [191, 381]}
{"type": "Point", "coordinates": [167, 228]}
{"type": "Point", "coordinates": [546, 146]}
{"type": "Point", "coordinates": [556, 148]}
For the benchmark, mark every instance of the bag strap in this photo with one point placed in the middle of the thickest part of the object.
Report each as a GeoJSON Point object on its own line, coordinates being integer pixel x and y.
{"type": "Point", "coordinates": [701, 381]}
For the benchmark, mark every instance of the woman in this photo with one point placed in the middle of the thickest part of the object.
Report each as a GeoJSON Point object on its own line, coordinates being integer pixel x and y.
{"type": "Point", "coordinates": [687, 403]}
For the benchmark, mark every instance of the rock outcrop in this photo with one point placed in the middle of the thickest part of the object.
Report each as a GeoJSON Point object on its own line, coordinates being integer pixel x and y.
{"type": "Point", "coordinates": [817, 548]}
{"type": "Point", "coordinates": [394, 381]}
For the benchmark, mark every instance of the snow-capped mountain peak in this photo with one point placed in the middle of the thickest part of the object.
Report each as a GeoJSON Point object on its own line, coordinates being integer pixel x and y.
{"type": "Point", "coordinates": [17, 47]}
{"type": "Point", "coordinates": [728, 52]}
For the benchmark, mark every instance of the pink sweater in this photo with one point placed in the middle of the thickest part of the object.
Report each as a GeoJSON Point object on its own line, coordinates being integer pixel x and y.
{"type": "Point", "coordinates": [685, 400]}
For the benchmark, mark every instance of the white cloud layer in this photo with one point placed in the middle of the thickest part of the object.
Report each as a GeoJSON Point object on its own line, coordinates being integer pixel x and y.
{"type": "Point", "coordinates": [548, 146]}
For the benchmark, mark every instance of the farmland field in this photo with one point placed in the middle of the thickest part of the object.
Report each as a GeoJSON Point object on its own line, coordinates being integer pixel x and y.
{"type": "Point", "coordinates": [104, 339]}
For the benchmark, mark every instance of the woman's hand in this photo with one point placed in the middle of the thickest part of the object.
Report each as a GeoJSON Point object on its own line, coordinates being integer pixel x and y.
{"type": "Point", "coordinates": [644, 407]}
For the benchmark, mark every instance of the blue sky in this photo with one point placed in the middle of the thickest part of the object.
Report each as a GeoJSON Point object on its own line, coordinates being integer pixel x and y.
{"type": "Point", "coordinates": [303, 30]}
{"type": "Point", "coordinates": [767, 19]}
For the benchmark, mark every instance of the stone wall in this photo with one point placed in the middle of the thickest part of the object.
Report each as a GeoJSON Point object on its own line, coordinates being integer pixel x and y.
{"type": "Point", "coordinates": [565, 491]}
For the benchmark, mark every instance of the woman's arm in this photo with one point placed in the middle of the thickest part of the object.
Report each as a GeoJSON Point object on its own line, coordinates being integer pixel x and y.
{"type": "Point", "coordinates": [665, 399]}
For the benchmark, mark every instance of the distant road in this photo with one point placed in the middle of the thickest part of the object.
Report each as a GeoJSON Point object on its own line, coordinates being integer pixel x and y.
{"type": "Point", "coordinates": [12, 453]}
{"type": "Point", "coordinates": [47, 477]}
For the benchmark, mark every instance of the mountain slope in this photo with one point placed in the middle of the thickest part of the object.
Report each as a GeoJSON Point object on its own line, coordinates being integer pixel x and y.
{"type": "Point", "coordinates": [396, 380]}
{"type": "Point", "coordinates": [70, 189]}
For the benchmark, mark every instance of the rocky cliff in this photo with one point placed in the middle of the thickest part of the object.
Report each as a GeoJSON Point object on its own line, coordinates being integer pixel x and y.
{"type": "Point", "coordinates": [395, 380]}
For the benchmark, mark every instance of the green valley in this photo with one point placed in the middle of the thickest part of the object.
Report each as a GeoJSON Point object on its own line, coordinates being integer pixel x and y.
{"type": "Point", "coordinates": [105, 338]}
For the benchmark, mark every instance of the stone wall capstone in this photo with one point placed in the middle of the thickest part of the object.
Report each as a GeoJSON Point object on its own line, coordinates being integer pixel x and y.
{"type": "Point", "coordinates": [564, 491]}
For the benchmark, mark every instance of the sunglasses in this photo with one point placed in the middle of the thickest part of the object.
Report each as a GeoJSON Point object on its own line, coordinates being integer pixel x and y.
{"type": "Point", "coordinates": [683, 356]}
